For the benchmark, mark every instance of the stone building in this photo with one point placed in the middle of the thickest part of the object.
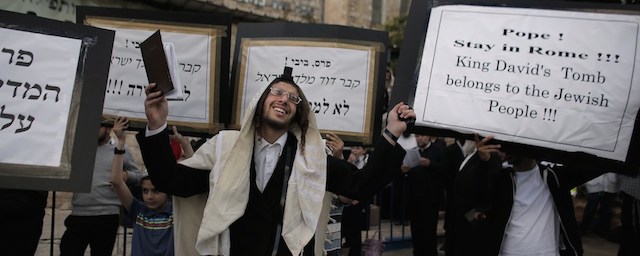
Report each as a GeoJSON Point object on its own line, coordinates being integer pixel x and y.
{"type": "Point", "coordinates": [354, 13]}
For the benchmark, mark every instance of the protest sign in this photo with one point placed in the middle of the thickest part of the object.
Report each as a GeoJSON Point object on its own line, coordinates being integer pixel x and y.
{"type": "Point", "coordinates": [550, 78]}
{"type": "Point", "coordinates": [556, 79]}
{"type": "Point", "coordinates": [50, 70]}
{"type": "Point", "coordinates": [340, 78]}
{"type": "Point", "coordinates": [200, 42]}
{"type": "Point", "coordinates": [36, 111]}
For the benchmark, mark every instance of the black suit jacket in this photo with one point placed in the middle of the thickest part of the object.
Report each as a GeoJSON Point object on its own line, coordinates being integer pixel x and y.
{"type": "Point", "coordinates": [343, 178]}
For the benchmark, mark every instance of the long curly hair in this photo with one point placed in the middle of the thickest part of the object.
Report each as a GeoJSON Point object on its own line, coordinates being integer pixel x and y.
{"type": "Point", "coordinates": [301, 117]}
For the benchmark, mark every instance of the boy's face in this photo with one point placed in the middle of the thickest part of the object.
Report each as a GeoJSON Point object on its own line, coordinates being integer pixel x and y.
{"type": "Point", "coordinates": [279, 110]}
{"type": "Point", "coordinates": [103, 133]}
{"type": "Point", "coordinates": [358, 150]}
{"type": "Point", "coordinates": [153, 198]}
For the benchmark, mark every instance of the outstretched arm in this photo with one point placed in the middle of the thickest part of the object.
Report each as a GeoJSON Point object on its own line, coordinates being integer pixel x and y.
{"type": "Point", "coordinates": [166, 175]}
{"type": "Point", "coordinates": [383, 164]}
{"type": "Point", "coordinates": [117, 165]}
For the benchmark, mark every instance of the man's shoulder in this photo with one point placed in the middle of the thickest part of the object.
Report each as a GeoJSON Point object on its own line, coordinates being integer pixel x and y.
{"type": "Point", "coordinates": [226, 136]}
{"type": "Point", "coordinates": [228, 133]}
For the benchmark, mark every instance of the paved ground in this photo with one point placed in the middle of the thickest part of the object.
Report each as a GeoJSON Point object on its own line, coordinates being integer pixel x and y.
{"type": "Point", "coordinates": [593, 244]}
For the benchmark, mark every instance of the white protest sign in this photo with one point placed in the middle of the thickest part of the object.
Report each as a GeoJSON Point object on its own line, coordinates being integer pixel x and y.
{"type": "Point", "coordinates": [128, 80]}
{"type": "Point", "coordinates": [37, 76]}
{"type": "Point", "coordinates": [556, 79]}
{"type": "Point", "coordinates": [336, 81]}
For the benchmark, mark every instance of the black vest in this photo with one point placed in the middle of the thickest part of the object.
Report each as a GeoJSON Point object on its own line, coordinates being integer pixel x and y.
{"type": "Point", "coordinates": [254, 233]}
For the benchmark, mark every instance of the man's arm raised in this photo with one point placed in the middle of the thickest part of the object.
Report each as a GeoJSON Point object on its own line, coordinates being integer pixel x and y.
{"type": "Point", "coordinates": [396, 123]}
{"type": "Point", "coordinates": [383, 164]}
{"type": "Point", "coordinates": [165, 173]}
{"type": "Point", "coordinates": [156, 108]}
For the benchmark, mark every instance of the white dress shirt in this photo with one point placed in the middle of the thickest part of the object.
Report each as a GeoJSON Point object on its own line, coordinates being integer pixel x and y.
{"type": "Point", "coordinates": [265, 156]}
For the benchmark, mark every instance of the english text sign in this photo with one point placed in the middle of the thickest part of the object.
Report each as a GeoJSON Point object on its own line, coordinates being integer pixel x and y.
{"type": "Point", "coordinates": [556, 79]}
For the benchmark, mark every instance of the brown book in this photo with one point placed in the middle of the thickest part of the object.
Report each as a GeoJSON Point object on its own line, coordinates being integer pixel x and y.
{"type": "Point", "coordinates": [155, 63]}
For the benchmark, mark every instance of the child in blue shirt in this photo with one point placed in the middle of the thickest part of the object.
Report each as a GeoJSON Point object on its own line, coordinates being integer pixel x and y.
{"type": "Point", "coordinates": [153, 218]}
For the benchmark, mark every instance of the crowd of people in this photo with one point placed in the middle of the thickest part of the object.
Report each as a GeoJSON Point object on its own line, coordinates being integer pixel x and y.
{"type": "Point", "coordinates": [277, 187]}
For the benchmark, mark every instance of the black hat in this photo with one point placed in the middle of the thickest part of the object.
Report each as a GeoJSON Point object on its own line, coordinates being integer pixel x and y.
{"type": "Point", "coordinates": [286, 75]}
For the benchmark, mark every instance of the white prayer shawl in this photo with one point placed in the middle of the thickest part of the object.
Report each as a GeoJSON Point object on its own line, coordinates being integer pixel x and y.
{"type": "Point", "coordinates": [187, 214]}
{"type": "Point", "coordinates": [228, 156]}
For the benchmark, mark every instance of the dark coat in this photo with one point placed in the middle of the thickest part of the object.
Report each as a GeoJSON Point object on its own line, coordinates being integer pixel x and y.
{"type": "Point", "coordinates": [470, 185]}
{"type": "Point", "coordinates": [560, 180]}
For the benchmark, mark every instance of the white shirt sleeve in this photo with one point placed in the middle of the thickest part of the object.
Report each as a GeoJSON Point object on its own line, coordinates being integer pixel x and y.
{"type": "Point", "coordinates": [149, 133]}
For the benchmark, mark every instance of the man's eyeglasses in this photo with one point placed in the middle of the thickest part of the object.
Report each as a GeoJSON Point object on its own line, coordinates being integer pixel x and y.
{"type": "Point", "coordinates": [295, 99]}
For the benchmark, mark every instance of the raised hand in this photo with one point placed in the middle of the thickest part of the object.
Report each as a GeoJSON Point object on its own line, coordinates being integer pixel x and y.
{"type": "Point", "coordinates": [156, 107]}
{"type": "Point", "coordinates": [335, 144]}
{"type": "Point", "coordinates": [484, 149]}
{"type": "Point", "coordinates": [119, 125]}
{"type": "Point", "coordinates": [176, 135]}
{"type": "Point", "coordinates": [187, 150]}
{"type": "Point", "coordinates": [396, 123]}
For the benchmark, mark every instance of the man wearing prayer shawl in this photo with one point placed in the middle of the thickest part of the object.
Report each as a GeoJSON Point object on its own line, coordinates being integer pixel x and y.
{"type": "Point", "coordinates": [267, 182]}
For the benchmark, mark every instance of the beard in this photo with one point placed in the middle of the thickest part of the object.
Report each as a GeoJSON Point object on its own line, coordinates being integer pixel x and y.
{"type": "Point", "coordinates": [275, 124]}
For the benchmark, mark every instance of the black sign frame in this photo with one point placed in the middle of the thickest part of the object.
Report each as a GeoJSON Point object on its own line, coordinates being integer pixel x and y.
{"type": "Point", "coordinates": [409, 66]}
{"type": "Point", "coordinates": [318, 33]}
{"type": "Point", "coordinates": [76, 167]}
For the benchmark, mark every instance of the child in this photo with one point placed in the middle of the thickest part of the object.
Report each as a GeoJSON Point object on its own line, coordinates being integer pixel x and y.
{"type": "Point", "coordinates": [153, 218]}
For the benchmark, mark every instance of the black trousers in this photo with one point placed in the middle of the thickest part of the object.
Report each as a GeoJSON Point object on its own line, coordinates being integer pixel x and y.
{"type": "Point", "coordinates": [424, 226]}
{"type": "Point", "coordinates": [20, 232]}
{"type": "Point", "coordinates": [352, 222]}
{"type": "Point", "coordinates": [630, 218]}
{"type": "Point", "coordinates": [98, 232]}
